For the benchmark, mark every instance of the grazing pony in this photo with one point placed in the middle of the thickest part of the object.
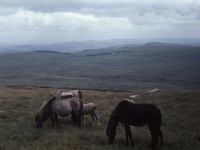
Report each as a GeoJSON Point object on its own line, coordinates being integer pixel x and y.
{"type": "Point", "coordinates": [60, 107]}
{"type": "Point", "coordinates": [137, 115]}
{"type": "Point", "coordinates": [75, 93]}
{"type": "Point", "coordinates": [90, 109]}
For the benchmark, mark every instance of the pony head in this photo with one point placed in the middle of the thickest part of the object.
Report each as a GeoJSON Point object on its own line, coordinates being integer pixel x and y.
{"type": "Point", "coordinates": [111, 128]}
{"type": "Point", "coordinates": [44, 113]}
{"type": "Point", "coordinates": [38, 120]}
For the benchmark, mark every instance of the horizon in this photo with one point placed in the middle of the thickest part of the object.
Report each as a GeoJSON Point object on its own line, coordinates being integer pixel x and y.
{"type": "Point", "coordinates": [77, 46]}
{"type": "Point", "coordinates": [187, 41]}
{"type": "Point", "coordinates": [80, 46]}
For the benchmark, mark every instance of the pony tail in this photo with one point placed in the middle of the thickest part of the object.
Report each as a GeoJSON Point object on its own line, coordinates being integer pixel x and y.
{"type": "Point", "coordinates": [81, 112]}
{"type": "Point", "coordinates": [80, 94]}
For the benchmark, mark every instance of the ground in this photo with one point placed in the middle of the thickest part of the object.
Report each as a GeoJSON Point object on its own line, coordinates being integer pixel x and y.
{"type": "Point", "coordinates": [18, 106]}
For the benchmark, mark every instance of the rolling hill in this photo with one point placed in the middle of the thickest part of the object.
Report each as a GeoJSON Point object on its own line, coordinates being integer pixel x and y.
{"type": "Point", "coordinates": [73, 46]}
{"type": "Point", "coordinates": [162, 65]}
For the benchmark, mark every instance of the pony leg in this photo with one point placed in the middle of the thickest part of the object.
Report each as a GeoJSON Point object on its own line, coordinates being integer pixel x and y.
{"type": "Point", "coordinates": [56, 119]}
{"type": "Point", "coordinates": [93, 119]}
{"type": "Point", "coordinates": [161, 138]}
{"type": "Point", "coordinates": [73, 118]}
{"type": "Point", "coordinates": [154, 135]}
{"type": "Point", "coordinates": [80, 117]}
{"type": "Point", "coordinates": [128, 134]}
{"type": "Point", "coordinates": [97, 118]}
{"type": "Point", "coordinates": [52, 119]}
{"type": "Point", "coordinates": [76, 118]}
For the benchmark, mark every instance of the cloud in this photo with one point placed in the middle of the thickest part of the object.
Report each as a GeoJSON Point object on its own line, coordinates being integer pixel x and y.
{"type": "Point", "coordinates": [141, 6]}
{"type": "Point", "coordinates": [61, 20]}
{"type": "Point", "coordinates": [62, 26]}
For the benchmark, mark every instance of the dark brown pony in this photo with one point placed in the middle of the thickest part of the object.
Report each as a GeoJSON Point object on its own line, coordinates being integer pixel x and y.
{"type": "Point", "coordinates": [135, 115]}
{"type": "Point", "coordinates": [60, 107]}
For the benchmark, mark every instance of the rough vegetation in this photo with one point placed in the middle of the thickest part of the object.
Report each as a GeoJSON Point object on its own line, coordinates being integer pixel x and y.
{"type": "Point", "coordinates": [147, 66]}
{"type": "Point", "coordinates": [180, 109]}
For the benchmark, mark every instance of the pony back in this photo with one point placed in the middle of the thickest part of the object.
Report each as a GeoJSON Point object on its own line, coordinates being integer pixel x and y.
{"type": "Point", "coordinates": [64, 95]}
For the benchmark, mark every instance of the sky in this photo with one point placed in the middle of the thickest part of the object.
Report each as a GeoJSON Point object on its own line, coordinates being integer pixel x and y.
{"type": "Point", "coordinates": [55, 21]}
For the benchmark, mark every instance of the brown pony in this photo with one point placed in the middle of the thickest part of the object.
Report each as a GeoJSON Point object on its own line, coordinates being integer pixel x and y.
{"type": "Point", "coordinates": [129, 113]}
{"type": "Point", "coordinates": [60, 107]}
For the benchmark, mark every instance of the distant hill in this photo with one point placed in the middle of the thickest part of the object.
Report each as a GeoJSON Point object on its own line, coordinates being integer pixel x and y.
{"type": "Point", "coordinates": [153, 46]}
{"type": "Point", "coordinates": [65, 47]}
{"type": "Point", "coordinates": [160, 65]}
{"type": "Point", "coordinates": [76, 46]}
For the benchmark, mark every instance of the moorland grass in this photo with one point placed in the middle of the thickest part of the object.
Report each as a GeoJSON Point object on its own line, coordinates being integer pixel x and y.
{"type": "Point", "coordinates": [180, 109]}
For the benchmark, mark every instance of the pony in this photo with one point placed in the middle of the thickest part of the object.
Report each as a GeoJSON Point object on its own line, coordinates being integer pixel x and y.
{"type": "Point", "coordinates": [133, 114]}
{"type": "Point", "coordinates": [60, 107]}
{"type": "Point", "coordinates": [75, 93]}
{"type": "Point", "coordinates": [90, 109]}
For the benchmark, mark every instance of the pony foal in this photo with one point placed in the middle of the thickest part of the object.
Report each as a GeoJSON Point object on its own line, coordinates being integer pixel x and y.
{"type": "Point", "coordinates": [90, 109]}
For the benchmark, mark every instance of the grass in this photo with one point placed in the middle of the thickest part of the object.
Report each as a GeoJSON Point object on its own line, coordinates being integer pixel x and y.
{"type": "Point", "coordinates": [130, 69]}
{"type": "Point", "coordinates": [180, 109]}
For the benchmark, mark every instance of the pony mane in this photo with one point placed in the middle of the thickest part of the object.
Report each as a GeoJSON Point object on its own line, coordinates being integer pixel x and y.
{"type": "Point", "coordinates": [48, 104]}
{"type": "Point", "coordinates": [46, 110]}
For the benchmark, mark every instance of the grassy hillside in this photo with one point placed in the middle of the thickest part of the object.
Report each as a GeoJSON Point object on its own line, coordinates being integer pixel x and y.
{"type": "Point", "coordinates": [180, 109]}
{"type": "Point", "coordinates": [147, 66]}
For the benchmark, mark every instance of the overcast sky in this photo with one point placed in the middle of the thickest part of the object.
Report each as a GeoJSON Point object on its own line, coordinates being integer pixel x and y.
{"type": "Point", "coordinates": [47, 21]}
